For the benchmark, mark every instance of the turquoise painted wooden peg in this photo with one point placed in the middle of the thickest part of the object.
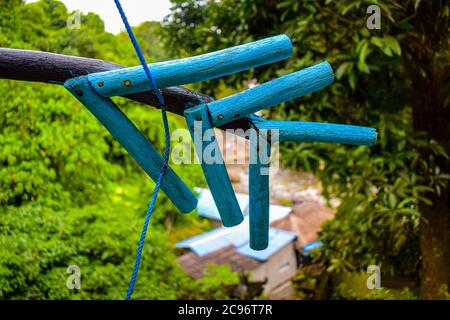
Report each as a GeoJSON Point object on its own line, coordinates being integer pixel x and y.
{"type": "Point", "coordinates": [194, 69]}
{"type": "Point", "coordinates": [198, 121]}
{"type": "Point", "coordinates": [318, 132]}
{"type": "Point", "coordinates": [124, 131]}
{"type": "Point", "coordinates": [271, 93]}
{"type": "Point", "coordinates": [94, 91]}
{"type": "Point", "coordinates": [258, 187]}
{"type": "Point", "coordinates": [259, 199]}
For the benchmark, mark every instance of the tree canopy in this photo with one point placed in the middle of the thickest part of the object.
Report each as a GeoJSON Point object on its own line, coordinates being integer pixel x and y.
{"type": "Point", "coordinates": [69, 193]}
{"type": "Point", "coordinates": [387, 190]}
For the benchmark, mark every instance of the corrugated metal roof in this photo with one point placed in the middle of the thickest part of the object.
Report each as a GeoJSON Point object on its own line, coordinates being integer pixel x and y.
{"type": "Point", "coordinates": [195, 265]}
{"type": "Point", "coordinates": [207, 208]}
{"type": "Point", "coordinates": [216, 239]}
{"type": "Point", "coordinates": [277, 240]}
{"type": "Point", "coordinates": [207, 242]}
{"type": "Point", "coordinates": [238, 237]}
{"type": "Point", "coordinates": [277, 212]}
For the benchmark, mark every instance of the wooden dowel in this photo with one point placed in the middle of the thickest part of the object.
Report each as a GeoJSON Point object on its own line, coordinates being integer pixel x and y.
{"type": "Point", "coordinates": [319, 132]}
{"type": "Point", "coordinates": [271, 93]}
{"type": "Point", "coordinates": [47, 67]}
{"type": "Point", "coordinates": [214, 169]}
{"type": "Point", "coordinates": [137, 145]}
{"type": "Point", "coordinates": [193, 69]}
{"type": "Point", "coordinates": [259, 192]}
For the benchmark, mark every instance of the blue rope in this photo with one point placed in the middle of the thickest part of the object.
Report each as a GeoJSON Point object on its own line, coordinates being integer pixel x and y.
{"type": "Point", "coordinates": [166, 152]}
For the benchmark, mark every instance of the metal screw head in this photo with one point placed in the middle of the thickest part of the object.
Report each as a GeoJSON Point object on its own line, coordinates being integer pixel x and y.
{"type": "Point", "coordinates": [100, 83]}
{"type": "Point", "coordinates": [127, 83]}
{"type": "Point", "coordinates": [220, 117]}
{"type": "Point", "coordinates": [79, 93]}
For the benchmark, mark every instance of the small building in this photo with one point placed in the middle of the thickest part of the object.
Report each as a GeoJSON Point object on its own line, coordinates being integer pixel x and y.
{"type": "Point", "coordinates": [276, 265]}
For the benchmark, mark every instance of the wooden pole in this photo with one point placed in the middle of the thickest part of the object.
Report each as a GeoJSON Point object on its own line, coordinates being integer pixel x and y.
{"type": "Point", "coordinates": [193, 69]}
{"type": "Point", "coordinates": [300, 131]}
{"type": "Point", "coordinates": [214, 169]}
{"type": "Point", "coordinates": [137, 145]}
{"type": "Point", "coordinates": [271, 93]}
{"type": "Point", "coordinates": [258, 189]}
{"type": "Point", "coordinates": [39, 66]}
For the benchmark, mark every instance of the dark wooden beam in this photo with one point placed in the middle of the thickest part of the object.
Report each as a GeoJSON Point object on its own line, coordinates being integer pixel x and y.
{"type": "Point", "coordinates": [38, 66]}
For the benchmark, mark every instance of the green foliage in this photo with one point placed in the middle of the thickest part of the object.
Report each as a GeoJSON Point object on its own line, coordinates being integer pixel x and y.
{"type": "Point", "coordinates": [381, 186]}
{"type": "Point", "coordinates": [444, 293]}
{"type": "Point", "coordinates": [344, 291]}
{"type": "Point", "coordinates": [47, 146]}
{"type": "Point", "coordinates": [69, 193]}
{"type": "Point", "coordinates": [217, 282]}
{"type": "Point", "coordinates": [38, 244]}
{"type": "Point", "coordinates": [305, 284]}
{"type": "Point", "coordinates": [312, 279]}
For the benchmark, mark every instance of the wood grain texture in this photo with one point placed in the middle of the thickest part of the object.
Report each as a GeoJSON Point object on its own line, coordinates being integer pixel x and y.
{"type": "Point", "coordinates": [319, 132]}
{"type": "Point", "coordinates": [193, 69]}
{"type": "Point", "coordinates": [39, 66]}
{"type": "Point", "coordinates": [271, 93]}
{"type": "Point", "coordinates": [258, 187]}
{"type": "Point", "coordinates": [215, 173]}
{"type": "Point", "coordinates": [137, 145]}
{"type": "Point", "coordinates": [47, 67]}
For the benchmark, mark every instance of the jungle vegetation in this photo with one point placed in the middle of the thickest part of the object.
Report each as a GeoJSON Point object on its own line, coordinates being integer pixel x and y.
{"type": "Point", "coordinates": [69, 194]}
{"type": "Point", "coordinates": [395, 209]}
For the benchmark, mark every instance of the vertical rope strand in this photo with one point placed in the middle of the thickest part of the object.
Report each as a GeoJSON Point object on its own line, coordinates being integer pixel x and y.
{"type": "Point", "coordinates": [166, 152]}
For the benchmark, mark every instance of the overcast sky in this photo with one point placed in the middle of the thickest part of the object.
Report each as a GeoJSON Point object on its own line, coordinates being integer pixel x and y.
{"type": "Point", "coordinates": [137, 11]}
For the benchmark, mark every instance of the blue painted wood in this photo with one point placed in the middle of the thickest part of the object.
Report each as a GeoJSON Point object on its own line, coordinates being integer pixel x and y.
{"type": "Point", "coordinates": [193, 69]}
{"type": "Point", "coordinates": [319, 132]}
{"type": "Point", "coordinates": [258, 187]}
{"type": "Point", "coordinates": [215, 173]}
{"type": "Point", "coordinates": [271, 93]}
{"type": "Point", "coordinates": [133, 141]}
